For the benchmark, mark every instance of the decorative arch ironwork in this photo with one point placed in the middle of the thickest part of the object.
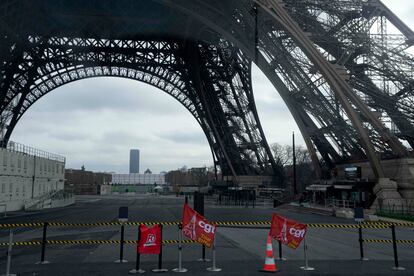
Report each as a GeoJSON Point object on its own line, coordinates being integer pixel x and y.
{"type": "Point", "coordinates": [238, 146]}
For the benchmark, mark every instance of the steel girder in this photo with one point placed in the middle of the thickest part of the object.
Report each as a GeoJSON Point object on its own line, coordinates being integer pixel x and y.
{"type": "Point", "coordinates": [346, 79]}
{"type": "Point", "coordinates": [222, 75]}
{"type": "Point", "coordinates": [233, 131]}
{"type": "Point", "coordinates": [365, 68]}
{"type": "Point", "coordinates": [353, 34]}
{"type": "Point", "coordinates": [342, 119]}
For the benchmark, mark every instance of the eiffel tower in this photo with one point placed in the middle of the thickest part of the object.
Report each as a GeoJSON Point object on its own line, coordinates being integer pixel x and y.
{"type": "Point", "coordinates": [189, 230]}
{"type": "Point", "coordinates": [343, 68]}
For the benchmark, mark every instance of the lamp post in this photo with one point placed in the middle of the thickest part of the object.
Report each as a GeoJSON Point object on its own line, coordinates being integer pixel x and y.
{"type": "Point", "coordinates": [295, 189]}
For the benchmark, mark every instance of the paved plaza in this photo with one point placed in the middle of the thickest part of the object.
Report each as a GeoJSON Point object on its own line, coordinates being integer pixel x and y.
{"type": "Point", "coordinates": [239, 251]}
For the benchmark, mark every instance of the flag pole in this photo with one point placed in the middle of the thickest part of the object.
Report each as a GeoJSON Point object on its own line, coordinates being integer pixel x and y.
{"type": "Point", "coordinates": [214, 268]}
{"type": "Point", "coordinates": [180, 248]}
{"type": "Point", "coordinates": [305, 248]}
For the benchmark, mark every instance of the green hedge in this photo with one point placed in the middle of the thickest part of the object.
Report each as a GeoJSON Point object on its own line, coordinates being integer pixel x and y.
{"type": "Point", "coordinates": [395, 215]}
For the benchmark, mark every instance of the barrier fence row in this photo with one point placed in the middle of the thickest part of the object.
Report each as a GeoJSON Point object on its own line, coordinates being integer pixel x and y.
{"type": "Point", "coordinates": [164, 242]}
{"type": "Point", "coordinates": [65, 242]}
{"type": "Point", "coordinates": [254, 225]}
{"type": "Point", "coordinates": [386, 241]}
{"type": "Point", "coordinates": [374, 225]}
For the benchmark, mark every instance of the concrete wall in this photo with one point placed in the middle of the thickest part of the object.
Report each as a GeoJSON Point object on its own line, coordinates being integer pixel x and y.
{"type": "Point", "coordinates": [24, 177]}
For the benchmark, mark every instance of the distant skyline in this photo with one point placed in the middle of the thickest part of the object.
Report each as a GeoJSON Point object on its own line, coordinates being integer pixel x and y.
{"type": "Point", "coordinates": [95, 122]}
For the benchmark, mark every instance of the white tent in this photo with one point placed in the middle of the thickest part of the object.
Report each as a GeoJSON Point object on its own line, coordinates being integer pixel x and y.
{"type": "Point", "coordinates": [158, 188]}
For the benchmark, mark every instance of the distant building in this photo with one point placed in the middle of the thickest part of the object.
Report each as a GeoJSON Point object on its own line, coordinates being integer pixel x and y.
{"type": "Point", "coordinates": [134, 161]}
{"type": "Point", "coordinates": [198, 171]}
{"type": "Point", "coordinates": [137, 183]}
{"type": "Point", "coordinates": [138, 179]}
{"type": "Point", "coordinates": [82, 182]}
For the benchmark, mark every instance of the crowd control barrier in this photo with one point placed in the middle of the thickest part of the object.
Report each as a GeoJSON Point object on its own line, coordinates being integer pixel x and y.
{"type": "Point", "coordinates": [137, 268]}
{"type": "Point", "coordinates": [149, 242]}
{"type": "Point", "coordinates": [305, 251]}
{"type": "Point", "coordinates": [9, 253]}
{"type": "Point", "coordinates": [44, 242]}
{"type": "Point", "coordinates": [180, 253]}
{"type": "Point", "coordinates": [121, 246]}
{"type": "Point", "coordinates": [394, 242]}
{"type": "Point", "coordinates": [227, 224]}
{"type": "Point", "coordinates": [214, 268]}
{"type": "Point", "coordinates": [280, 252]}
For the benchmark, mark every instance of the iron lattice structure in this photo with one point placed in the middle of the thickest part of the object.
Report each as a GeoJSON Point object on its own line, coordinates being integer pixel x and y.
{"type": "Point", "coordinates": [343, 67]}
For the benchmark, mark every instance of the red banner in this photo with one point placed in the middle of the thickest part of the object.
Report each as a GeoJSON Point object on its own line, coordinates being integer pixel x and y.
{"type": "Point", "coordinates": [197, 228]}
{"type": "Point", "coordinates": [287, 231]}
{"type": "Point", "coordinates": [150, 240]}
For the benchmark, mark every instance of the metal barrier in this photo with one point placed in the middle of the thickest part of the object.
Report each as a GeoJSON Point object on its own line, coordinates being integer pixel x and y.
{"type": "Point", "coordinates": [386, 241]}
{"type": "Point", "coordinates": [341, 203]}
{"type": "Point", "coordinates": [374, 225]}
{"type": "Point", "coordinates": [164, 242]}
{"type": "Point", "coordinates": [89, 242]}
{"type": "Point", "coordinates": [232, 224]}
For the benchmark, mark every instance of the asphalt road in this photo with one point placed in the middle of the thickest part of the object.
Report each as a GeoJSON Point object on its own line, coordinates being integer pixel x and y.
{"type": "Point", "coordinates": [239, 251]}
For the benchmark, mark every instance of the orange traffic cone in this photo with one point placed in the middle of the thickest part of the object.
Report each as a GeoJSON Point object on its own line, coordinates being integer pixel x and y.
{"type": "Point", "coordinates": [269, 265]}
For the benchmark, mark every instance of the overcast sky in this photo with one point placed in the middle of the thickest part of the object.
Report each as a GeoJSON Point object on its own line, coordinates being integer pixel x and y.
{"type": "Point", "coordinates": [96, 121]}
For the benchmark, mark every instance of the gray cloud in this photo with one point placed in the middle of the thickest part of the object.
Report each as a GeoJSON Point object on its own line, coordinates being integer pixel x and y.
{"type": "Point", "coordinates": [108, 93]}
{"type": "Point", "coordinates": [69, 136]}
{"type": "Point", "coordinates": [184, 137]}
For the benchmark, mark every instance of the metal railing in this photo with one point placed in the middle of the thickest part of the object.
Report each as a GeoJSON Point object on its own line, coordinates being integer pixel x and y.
{"type": "Point", "coordinates": [404, 208]}
{"type": "Point", "coordinates": [45, 242]}
{"type": "Point", "coordinates": [341, 203]}
{"type": "Point", "coordinates": [17, 147]}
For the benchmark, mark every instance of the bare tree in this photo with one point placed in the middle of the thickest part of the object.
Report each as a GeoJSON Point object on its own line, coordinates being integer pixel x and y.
{"type": "Point", "coordinates": [302, 155]}
{"type": "Point", "coordinates": [282, 154]}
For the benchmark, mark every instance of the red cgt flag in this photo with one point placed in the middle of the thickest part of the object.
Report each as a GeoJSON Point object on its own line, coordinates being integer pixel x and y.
{"type": "Point", "coordinates": [287, 231]}
{"type": "Point", "coordinates": [197, 228]}
{"type": "Point", "coordinates": [150, 240]}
